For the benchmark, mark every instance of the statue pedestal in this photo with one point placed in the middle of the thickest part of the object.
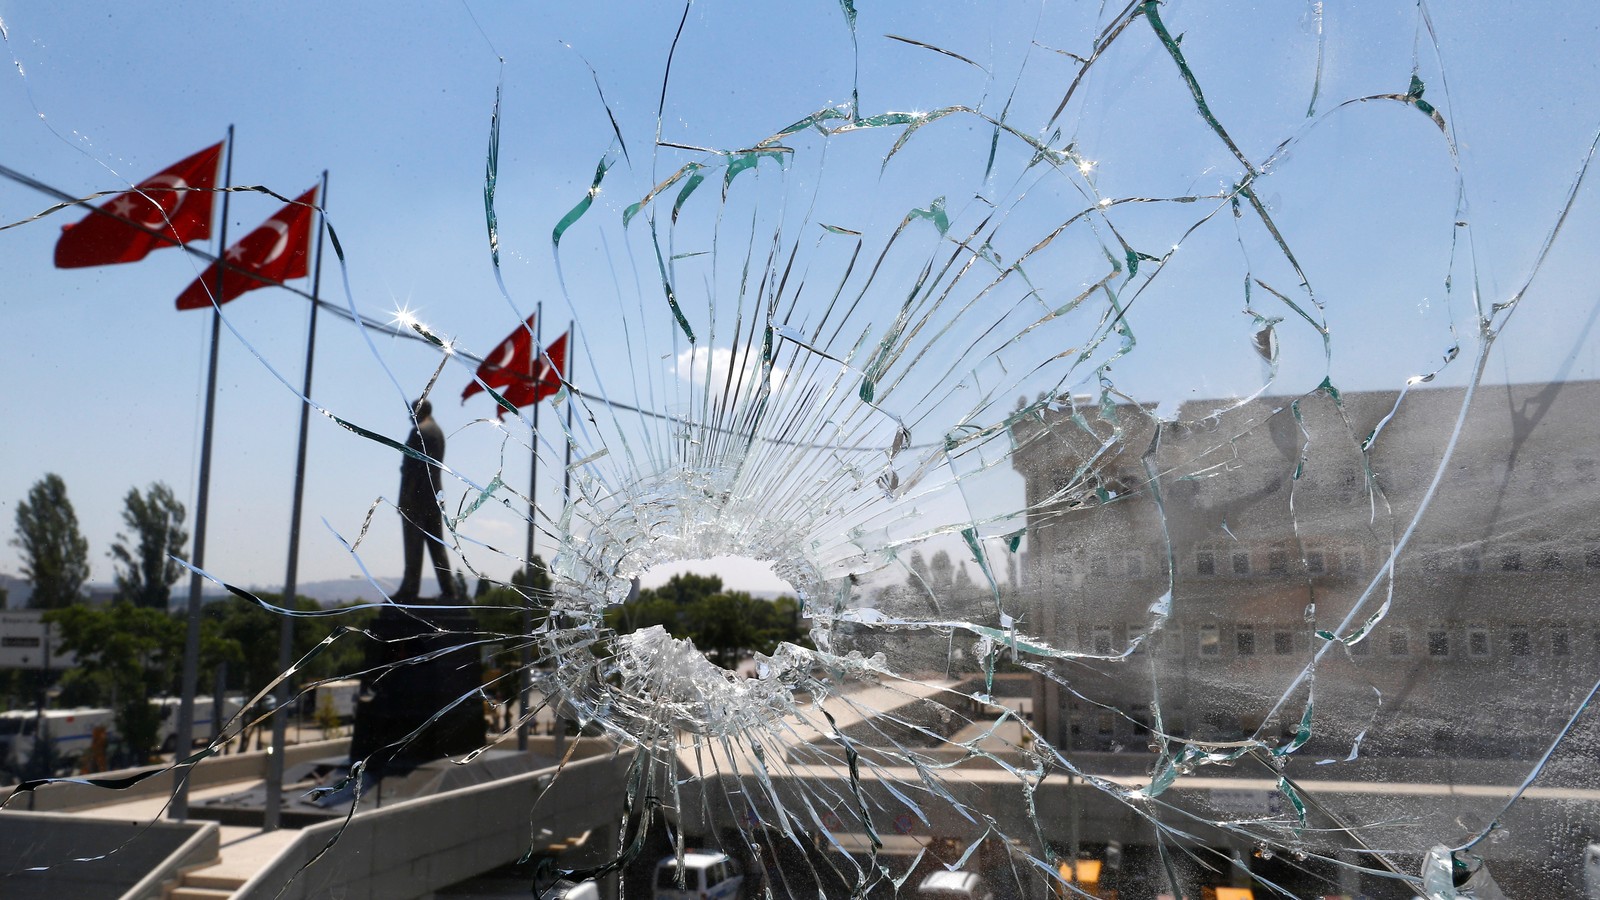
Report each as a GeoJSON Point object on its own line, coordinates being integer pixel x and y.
{"type": "Point", "coordinates": [400, 695]}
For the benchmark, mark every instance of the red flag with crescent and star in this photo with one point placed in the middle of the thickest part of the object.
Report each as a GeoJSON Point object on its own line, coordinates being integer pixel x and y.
{"type": "Point", "coordinates": [276, 252]}
{"type": "Point", "coordinates": [167, 209]}
{"type": "Point", "coordinates": [545, 381]}
{"type": "Point", "coordinates": [511, 360]}
{"type": "Point", "coordinates": [520, 378]}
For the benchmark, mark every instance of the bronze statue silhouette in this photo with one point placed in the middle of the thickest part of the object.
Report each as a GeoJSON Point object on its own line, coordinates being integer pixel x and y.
{"type": "Point", "coordinates": [421, 520]}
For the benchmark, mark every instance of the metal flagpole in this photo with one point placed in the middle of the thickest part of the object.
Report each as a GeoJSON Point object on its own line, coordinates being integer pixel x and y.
{"type": "Point", "coordinates": [184, 739]}
{"type": "Point", "coordinates": [566, 497]}
{"type": "Point", "coordinates": [566, 478]}
{"type": "Point", "coordinates": [270, 816]}
{"type": "Point", "coordinates": [525, 674]}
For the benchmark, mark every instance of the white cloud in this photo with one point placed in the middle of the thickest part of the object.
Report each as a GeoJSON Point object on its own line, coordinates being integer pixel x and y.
{"type": "Point", "coordinates": [710, 367]}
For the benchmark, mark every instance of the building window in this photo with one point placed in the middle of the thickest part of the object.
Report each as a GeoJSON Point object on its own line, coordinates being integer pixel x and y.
{"type": "Point", "coordinates": [1592, 558]}
{"type": "Point", "coordinates": [1241, 563]}
{"type": "Point", "coordinates": [1518, 641]}
{"type": "Point", "coordinates": [1560, 641]}
{"type": "Point", "coordinates": [1361, 647]}
{"type": "Point", "coordinates": [1100, 638]}
{"type": "Point", "coordinates": [1471, 559]}
{"type": "Point", "coordinates": [1282, 642]}
{"type": "Point", "coordinates": [1478, 640]}
{"type": "Point", "coordinates": [1105, 723]}
{"type": "Point", "coordinates": [1550, 560]}
{"type": "Point", "coordinates": [1352, 561]}
{"type": "Point", "coordinates": [1399, 644]}
{"type": "Point", "coordinates": [1210, 641]}
{"type": "Point", "coordinates": [1438, 642]}
{"type": "Point", "coordinates": [1205, 563]}
{"type": "Point", "coordinates": [1278, 562]}
{"type": "Point", "coordinates": [1140, 713]}
{"type": "Point", "coordinates": [1511, 562]}
{"type": "Point", "coordinates": [1244, 640]}
{"type": "Point", "coordinates": [1172, 639]}
{"type": "Point", "coordinates": [1097, 564]}
{"type": "Point", "coordinates": [1135, 564]}
{"type": "Point", "coordinates": [1314, 562]}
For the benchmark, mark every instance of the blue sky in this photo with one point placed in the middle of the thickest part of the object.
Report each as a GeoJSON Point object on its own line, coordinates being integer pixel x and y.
{"type": "Point", "coordinates": [104, 377]}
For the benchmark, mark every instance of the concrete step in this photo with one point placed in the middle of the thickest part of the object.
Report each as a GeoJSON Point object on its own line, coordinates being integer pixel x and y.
{"type": "Point", "coordinates": [200, 893]}
{"type": "Point", "coordinates": [203, 878]}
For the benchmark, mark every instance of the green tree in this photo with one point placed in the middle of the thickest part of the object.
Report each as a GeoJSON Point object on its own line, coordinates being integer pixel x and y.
{"type": "Point", "coordinates": [687, 588]}
{"type": "Point", "coordinates": [535, 576]}
{"type": "Point", "coordinates": [340, 658]}
{"type": "Point", "coordinates": [144, 554]}
{"type": "Point", "coordinates": [55, 555]}
{"type": "Point", "coordinates": [128, 655]}
{"type": "Point", "coordinates": [776, 622]}
{"type": "Point", "coordinates": [254, 629]}
{"type": "Point", "coordinates": [722, 624]}
{"type": "Point", "coordinates": [646, 610]}
{"type": "Point", "coordinates": [499, 610]}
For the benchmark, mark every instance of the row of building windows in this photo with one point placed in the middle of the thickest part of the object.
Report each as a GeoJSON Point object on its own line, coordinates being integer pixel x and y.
{"type": "Point", "coordinates": [1131, 564]}
{"type": "Point", "coordinates": [1352, 560]}
{"type": "Point", "coordinates": [1439, 641]}
{"type": "Point", "coordinates": [1475, 641]}
{"type": "Point", "coordinates": [1279, 561]}
{"type": "Point", "coordinates": [1349, 560]}
{"type": "Point", "coordinates": [1543, 560]}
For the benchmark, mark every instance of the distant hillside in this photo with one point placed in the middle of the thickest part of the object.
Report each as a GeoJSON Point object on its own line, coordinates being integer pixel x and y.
{"type": "Point", "coordinates": [19, 591]}
{"type": "Point", "coordinates": [335, 591]}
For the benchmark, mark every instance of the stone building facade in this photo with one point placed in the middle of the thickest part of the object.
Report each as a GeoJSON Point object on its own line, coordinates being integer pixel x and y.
{"type": "Point", "coordinates": [1418, 569]}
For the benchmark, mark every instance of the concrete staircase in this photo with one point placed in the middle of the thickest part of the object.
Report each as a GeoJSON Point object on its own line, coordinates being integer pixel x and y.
{"type": "Point", "coordinates": [203, 884]}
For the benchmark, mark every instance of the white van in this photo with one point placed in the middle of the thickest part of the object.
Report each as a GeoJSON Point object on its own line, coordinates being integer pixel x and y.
{"type": "Point", "coordinates": [953, 886]}
{"type": "Point", "coordinates": [340, 695]}
{"type": "Point", "coordinates": [566, 890]}
{"type": "Point", "coordinates": [707, 875]}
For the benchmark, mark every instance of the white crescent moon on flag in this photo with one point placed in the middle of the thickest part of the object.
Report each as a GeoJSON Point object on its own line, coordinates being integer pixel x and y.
{"type": "Point", "coordinates": [282, 229]}
{"type": "Point", "coordinates": [505, 358]}
{"type": "Point", "coordinates": [162, 213]}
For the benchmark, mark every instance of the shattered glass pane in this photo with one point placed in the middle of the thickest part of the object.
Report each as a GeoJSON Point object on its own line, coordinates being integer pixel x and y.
{"type": "Point", "coordinates": [1177, 420]}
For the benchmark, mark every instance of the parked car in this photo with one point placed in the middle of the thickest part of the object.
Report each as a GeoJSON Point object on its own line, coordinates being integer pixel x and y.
{"type": "Point", "coordinates": [707, 875]}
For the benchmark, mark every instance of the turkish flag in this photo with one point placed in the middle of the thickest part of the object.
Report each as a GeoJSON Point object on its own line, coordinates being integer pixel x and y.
{"type": "Point", "coordinates": [544, 381]}
{"type": "Point", "coordinates": [511, 360]}
{"type": "Point", "coordinates": [277, 251]}
{"type": "Point", "coordinates": [167, 209]}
